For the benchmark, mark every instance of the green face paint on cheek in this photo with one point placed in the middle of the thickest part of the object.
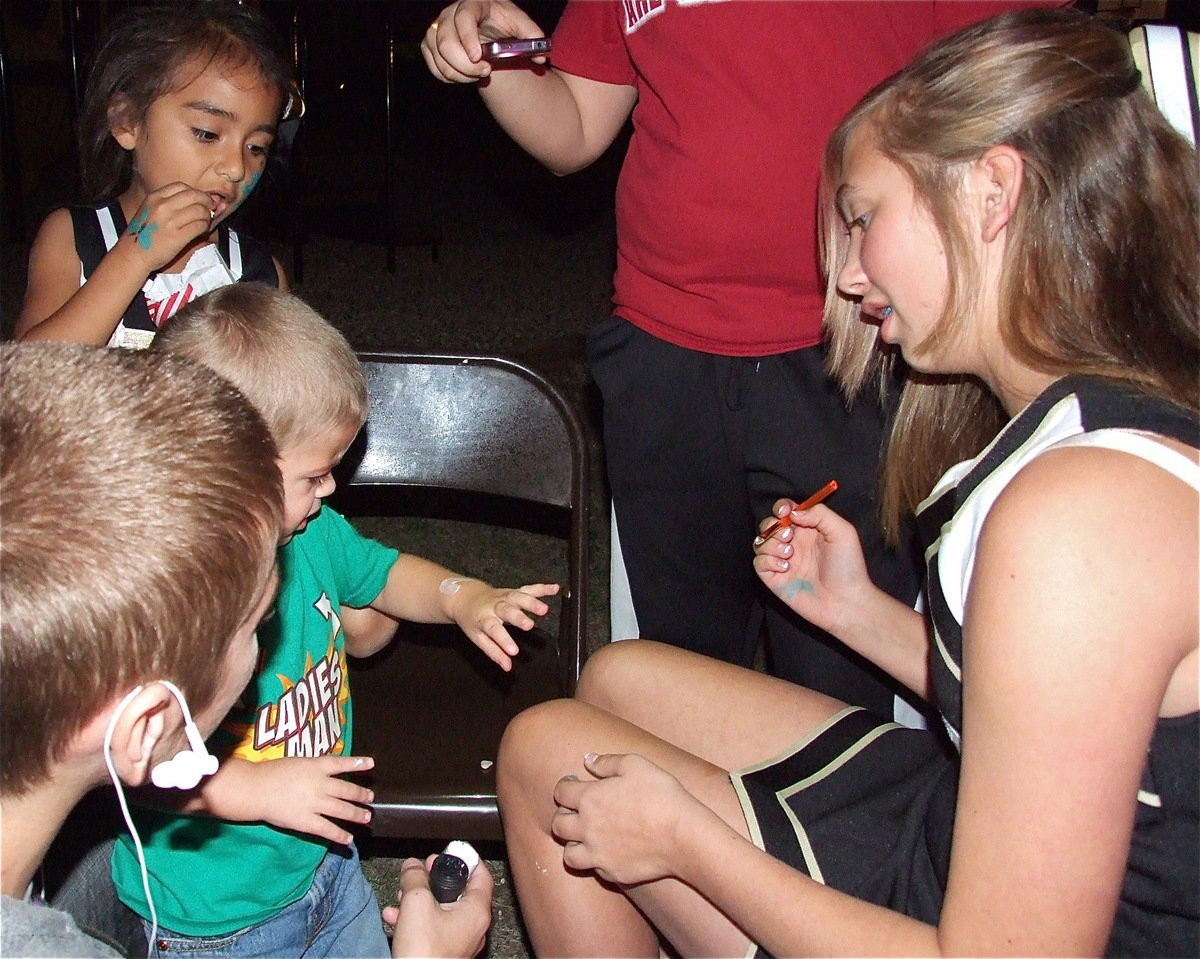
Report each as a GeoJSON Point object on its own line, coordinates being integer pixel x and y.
{"type": "Point", "coordinates": [249, 187]}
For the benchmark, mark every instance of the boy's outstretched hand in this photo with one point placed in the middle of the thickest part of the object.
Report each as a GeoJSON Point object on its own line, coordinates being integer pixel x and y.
{"type": "Point", "coordinates": [422, 591]}
{"type": "Point", "coordinates": [482, 612]}
{"type": "Point", "coordinates": [302, 794]}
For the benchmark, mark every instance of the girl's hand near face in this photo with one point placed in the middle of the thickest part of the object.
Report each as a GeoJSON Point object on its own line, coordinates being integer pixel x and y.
{"type": "Point", "coordinates": [168, 220]}
{"type": "Point", "coordinates": [627, 823]}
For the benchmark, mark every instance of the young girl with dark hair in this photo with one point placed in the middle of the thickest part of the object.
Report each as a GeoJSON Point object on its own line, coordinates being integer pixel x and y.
{"type": "Point", "coordinates": [180, 113]}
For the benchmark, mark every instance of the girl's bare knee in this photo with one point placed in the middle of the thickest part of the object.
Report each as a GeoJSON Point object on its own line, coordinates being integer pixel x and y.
{"type": "Point", "coordinates": [527, 747]}
{"type": "Point", "coordinates": [609, 671]}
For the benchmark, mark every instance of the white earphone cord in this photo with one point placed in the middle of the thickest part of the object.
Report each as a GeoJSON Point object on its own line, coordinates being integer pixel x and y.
{"type": "Point", "coordinates": [193, 736]}
{"type": "Point", "coordinates": [137, 840]}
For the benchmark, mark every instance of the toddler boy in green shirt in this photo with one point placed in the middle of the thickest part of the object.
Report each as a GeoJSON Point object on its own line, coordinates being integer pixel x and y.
{"type": "Point", "coordinates": [266, 868]}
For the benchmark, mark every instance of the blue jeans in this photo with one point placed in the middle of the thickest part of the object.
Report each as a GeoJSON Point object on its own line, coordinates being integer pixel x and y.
{"type": "Point", "coordinates": [338, 916]}
{"type": "Point", "coordinates": [89, 896]}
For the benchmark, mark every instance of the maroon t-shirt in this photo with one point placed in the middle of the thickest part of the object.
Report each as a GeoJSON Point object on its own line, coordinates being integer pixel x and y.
{"type": "Point", "coordinates": [717, 198]}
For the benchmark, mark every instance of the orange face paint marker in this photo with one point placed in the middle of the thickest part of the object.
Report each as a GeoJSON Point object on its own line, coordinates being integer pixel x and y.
{"type": "Point", "coordinates": [786, 520]}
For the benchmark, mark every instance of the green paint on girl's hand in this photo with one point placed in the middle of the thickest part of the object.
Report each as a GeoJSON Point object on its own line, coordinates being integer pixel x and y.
{"type": "Point", "coordinates": [796, 586]}
{"type": "Point", "coordinates": [142, 230]}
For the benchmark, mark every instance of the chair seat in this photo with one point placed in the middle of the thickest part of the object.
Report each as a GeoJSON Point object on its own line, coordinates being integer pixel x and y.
{"type": "Point", "coordinates": [435, 747]}
{"type": "Point", "coordinates": [491, 448]}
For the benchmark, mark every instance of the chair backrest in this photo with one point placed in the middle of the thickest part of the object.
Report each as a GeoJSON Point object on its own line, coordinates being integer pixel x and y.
{"type": "Point", "coordinates": [480, 423]}
{"type": "Point", "coordinates": [472, 425]}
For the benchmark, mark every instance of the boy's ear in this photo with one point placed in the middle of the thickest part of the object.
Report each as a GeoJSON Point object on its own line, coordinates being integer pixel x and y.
{"type": "Point", "coordinates": [146, 719]}
{"type": "Point", "coordinates": [1001, 174]}
{"type": "Point", "coordinates": [121, 123]}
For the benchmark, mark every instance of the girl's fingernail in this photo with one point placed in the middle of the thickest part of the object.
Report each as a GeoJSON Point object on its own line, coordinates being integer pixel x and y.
{"type": "Point", "coordinates": [589, 759]}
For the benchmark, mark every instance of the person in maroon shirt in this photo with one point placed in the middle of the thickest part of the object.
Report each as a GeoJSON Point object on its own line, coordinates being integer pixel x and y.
{"type": "Point", "coordinates": [716, 401]}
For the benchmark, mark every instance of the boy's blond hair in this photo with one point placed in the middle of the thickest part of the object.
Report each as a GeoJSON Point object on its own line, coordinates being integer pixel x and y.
{"type": "Point", "coordinates": [284, 356]}
{"type": "Point", "coordinates": [140, 504]}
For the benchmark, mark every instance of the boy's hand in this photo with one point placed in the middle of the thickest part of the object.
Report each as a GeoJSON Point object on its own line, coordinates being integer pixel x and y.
{"type": "Point", "coordinates": [301, 794]}
{"type": "Point", "coordinates": [481, 612]}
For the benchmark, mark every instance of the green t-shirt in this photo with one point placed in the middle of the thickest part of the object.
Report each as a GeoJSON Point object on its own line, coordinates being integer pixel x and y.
{"type": "Point", "coordinates": [210, 877]}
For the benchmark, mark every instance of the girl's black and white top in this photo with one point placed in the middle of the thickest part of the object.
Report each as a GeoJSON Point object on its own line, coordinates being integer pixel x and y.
{"type": "Point", "coordinates": [232, 259]}
{"type": "Point", "coordinates": [1162, 882]}
{"type": "Point", "coordinates": [867, 806]}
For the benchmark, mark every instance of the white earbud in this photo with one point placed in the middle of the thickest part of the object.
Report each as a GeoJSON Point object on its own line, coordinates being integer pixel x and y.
{"type": "Point", "coordinates": [188, 766]}
{"type": "Point", "coordinates": [181, 772]}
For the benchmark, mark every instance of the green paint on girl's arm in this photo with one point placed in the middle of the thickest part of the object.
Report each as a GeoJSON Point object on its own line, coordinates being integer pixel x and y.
{"type": "Point", "coordinates": [796, 586]}
{"type": "Point", "coordinates": [142, 230]}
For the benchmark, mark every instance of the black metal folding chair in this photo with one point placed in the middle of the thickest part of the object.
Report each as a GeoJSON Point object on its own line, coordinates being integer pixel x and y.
{"type": "Point", "coordinates": [488, 440]}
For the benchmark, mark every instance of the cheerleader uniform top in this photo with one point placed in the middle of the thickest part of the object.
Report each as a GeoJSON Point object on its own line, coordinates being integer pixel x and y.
{"type": "Point", "coordinates": [231, 259]}
{"type": "Point", "coordinates": [867, 806]}
{"type": "Point", "coordinates": [1159, 908]}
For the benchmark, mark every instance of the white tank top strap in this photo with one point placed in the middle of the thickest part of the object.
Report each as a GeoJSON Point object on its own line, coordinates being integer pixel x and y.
{"type": "Point", "coordinates": [1144, 445]}
{"type": "Point", "coordinates": [235, 255]}
{"type": "Point", "coordinates": [108, 231]}
{"type": "Point", "coordinates": [108, 228]}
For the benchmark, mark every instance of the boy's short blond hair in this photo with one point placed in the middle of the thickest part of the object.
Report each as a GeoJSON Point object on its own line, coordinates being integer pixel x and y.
{"type": "Point", "coordinates": [281, 353]}
{"type": "Point", "coordinates": [141, 505]}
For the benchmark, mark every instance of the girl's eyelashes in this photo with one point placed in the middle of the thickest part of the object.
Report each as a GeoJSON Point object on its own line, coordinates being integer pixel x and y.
{"type": "Point", "coordinates": [859, 221]}
{"type": "Point", "coordinates": [209, 136]}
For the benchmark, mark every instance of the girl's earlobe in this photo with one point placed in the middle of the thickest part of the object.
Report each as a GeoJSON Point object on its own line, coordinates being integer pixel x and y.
{"type": "Point", "coordinates": [122, 128]}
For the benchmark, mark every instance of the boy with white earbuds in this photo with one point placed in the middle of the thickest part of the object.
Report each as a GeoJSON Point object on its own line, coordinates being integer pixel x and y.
{"type": "Point", "coordinates": [141, 508]}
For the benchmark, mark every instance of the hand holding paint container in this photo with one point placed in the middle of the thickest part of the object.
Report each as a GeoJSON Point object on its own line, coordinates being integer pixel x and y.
{"type": "Point", "coordinates": [451, 870]}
